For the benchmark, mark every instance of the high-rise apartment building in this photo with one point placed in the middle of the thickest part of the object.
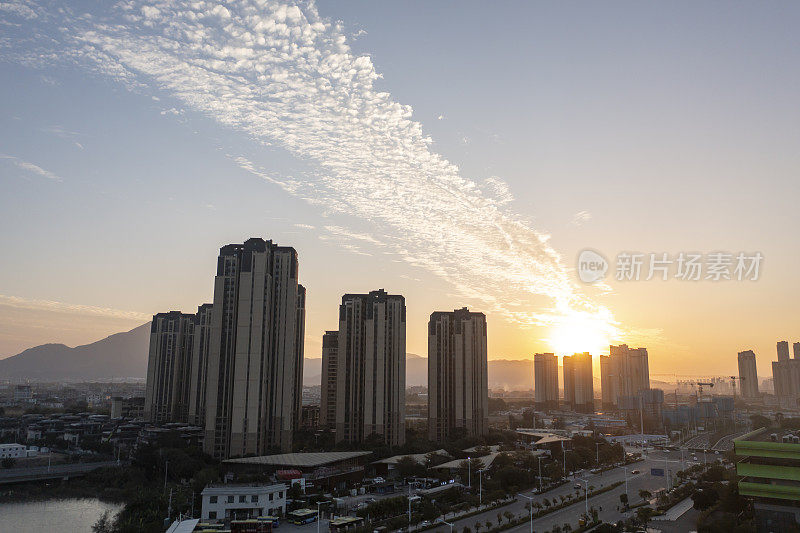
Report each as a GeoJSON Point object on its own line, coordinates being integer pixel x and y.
{"type": "Point", "coordinates": [624, 373]}
{"type": "Point", "coordinates": [330, 361]}
{"type": "Point", "coordinates": [786, 377]}
{"type": "Point", "coordinates": [371, 369]}
{"type": "Point", "coordinates": [255, 362]}
{"type": "Point", "coordinates": [578, 384]}
{"type": "Point", "coordinates": [748, 377]}
{"type": "Point", "coordinates": [606, 398]}
{"type": "Point", "coordinates": [783, 351]}
{"type": "Point", "coordinates": [545, 378]}
{"type": "Point", "coordinates": [796, 350]}
{"type": "Point", "coordinates": [169, 367]}
{"type": "Point", "coordinates": [199, 373]}
{"type": "Point", "coordinates": [458, 385]}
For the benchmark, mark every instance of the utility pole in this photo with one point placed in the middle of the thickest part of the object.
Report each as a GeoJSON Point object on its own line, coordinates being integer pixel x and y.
{"type": "Point", "coordinates": [480, 487]}
{"type": "Point", "coordinates": [540, 474]}
{"type": "Point", "coordinates": [469, 472]}
{"type": "Point", "coordinates": [529, 498]}
{"type": "Point", "coordinates": [166, 469]}
{"type": "Point", "coordinates": [169, 508]}
{"type": "Point", "coordinates": [586, 490]}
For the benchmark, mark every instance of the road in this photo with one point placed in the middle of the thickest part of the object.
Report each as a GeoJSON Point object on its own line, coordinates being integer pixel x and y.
{"type": "Point", "coordinates": [17, 475]}
{"type": "Point", "coordinates": [608, 500]}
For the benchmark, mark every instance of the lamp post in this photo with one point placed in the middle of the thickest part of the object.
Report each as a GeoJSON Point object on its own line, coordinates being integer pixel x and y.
{"type": "Point", "coordinates": [319, 517]}
{"type": "Point", "coordinates": [469, 472]}
{"type": "Point", "coordinates": [529, 498]}
{"type": "Point", "coordinates": [540, 473]}
{"type": "Point", "coordinates": [625, 469]}
{"type": "Point", "coordinates": [443, 521]}
{"type": "Point", "coordinates": [597, 449]}
{"type": "Point", "coordinates": [480, 487]}
{"type": "Point", "coordinates": [586, 491]}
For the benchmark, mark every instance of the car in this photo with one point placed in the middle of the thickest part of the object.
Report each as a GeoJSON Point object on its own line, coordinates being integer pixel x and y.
{"type": "Point", "coordinates": [577, 486]}
{"type": "Point", "coordinates": [379, 480]}
{"type": "Point", "coordinates": [694, 458]}
{"type": "Point", "coordinates": [425, 523]}
{"type": "Point", "coordinates": [634, 472]}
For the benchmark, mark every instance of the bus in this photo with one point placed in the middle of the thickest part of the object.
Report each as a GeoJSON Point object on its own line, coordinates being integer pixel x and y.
{"type": "Point", "coordinates": [302, 516]}
{"type": "Point", "coordinates": [274, 520]}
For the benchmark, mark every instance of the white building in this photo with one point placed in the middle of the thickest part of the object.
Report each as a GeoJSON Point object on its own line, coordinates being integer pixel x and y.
{"type": "Point", "coordinates": [13, 451]}
{"type": "Point", "coordinates": [243, 501]}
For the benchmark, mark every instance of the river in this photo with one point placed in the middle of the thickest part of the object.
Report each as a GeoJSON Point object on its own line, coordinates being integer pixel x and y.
{"type": "Point", "coordinates": [77, 515]}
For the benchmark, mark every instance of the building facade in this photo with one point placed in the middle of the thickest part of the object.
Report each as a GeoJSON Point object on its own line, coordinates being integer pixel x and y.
{"type": "Point", "coordinates": [624, 373]}
{"type": "Point", "coordinates": [255, 361]}
{"type": "Point", "coordinates": [235, 501]}
{"type": "Point", "coordinates": [371, 368]}
{"type": "Point", "coordinates": [768, 466]}
{"type": "Point", "coordinates": [330, 361]}
{"type": "Point", "coordinates": [545, 378]}
{"type": "Point", "coordinates": [458, 384]}
{"type": "Point", "coordinates": [748, 376]}
{"type": "Point", "coordinates": [786, 377]}
{"type": "Point", "coordinates": [168, 367]}
{"type": "Point", "coordinates": [578, 384]}
{"type": "Point", "coordinates": [199, 372]}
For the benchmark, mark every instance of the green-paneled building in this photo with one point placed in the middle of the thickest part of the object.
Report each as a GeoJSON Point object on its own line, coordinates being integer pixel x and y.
{"type": "Point", "coordinates": [768, 463]}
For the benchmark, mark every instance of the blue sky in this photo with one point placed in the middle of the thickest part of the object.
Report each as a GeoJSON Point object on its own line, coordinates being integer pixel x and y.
{"type": "Point", "coordinates": [667, 127]}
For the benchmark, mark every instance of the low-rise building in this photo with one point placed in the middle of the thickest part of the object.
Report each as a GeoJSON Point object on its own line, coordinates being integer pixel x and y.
{"type": "Point", "coordinates": [768, 461]}
{"type": "Point", "coordinates": [128, 408]}
{"type": "Point", "coordinates": [243, 501]}
{"type": "Point", "coordinates": [13, 451]}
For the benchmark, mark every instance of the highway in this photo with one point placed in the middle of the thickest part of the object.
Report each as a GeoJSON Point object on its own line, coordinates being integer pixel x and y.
{"type": "Point", "coordinates": [58, 471]}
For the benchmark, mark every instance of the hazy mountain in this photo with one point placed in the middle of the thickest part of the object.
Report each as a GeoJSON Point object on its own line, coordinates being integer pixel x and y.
{"type": "Point", "coordinates": [122, 355]}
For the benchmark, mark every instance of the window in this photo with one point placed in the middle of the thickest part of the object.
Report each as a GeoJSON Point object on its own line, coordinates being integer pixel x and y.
{"type": "Point", "coordinates": [230, 499]}
{"type": "Point", "coordinates": [270, 496]}
{"type": "Point", "coordinates": [212, 499]}
{"type": "Point", "coordinates": [254, 498]}
{"type": "Point", "coordinates": [242, 498]}
{"type": "Point", "coordinates": [212, 515]}
{"type": "Point", "coordinates": [280, 494]}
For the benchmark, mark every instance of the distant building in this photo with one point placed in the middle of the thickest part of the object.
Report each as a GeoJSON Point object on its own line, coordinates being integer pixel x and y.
{"type": "Point", "coordinates": [255, 361]}
{"type": "Point", "coordinates": [783, 351]}
{"type": "Point", "coordinates": [545, 377]}
{"type": "Point", "coordinates": [748, 378]}
{"type": "Point", "coordinates": [128, 408]}
{"type": "Point", "coordinates": [624, 373]}
{"type": "Point", "coordinates": [22, 394]}
{"type": "Point", "coordinates": [606, 396]}
{"type": "Point", "coordinates": [578, 382]}
{"type": "Point", "coordinates": [371, 368]}
{"type": "Point", "coordinates": [199, 373]}
{"type": "Point", "coordinates": [169, 367]}
{"type": "Point", "coordinates": [786, 377]}
{"type": "Point", "coordinates": [650, 402]}
{"type": "Point", "coordinates": [235, 501]}
{"type": "Point", "coordinates": [309, 416]}
{"type": "Point", "coordinates": [330, 362]}
{"type": "Point", "coordinates": [13, 451]}
{"type": "Point", "coordinates": [458, 383]}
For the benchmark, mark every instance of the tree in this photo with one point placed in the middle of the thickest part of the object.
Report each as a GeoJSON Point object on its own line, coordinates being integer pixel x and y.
{"type": "Point", "coordinates": [466, 530]}
{"type": "Point", "coordinates": [103, 524]}
{"type": "Point", "coordinates": [509, 516]}
{"type": "Point", "coordinates": [623, 498]}
{"type": "Point", "coordinates": [704, 498]}
{"type": "Point", "coordinates": [478, 526]}
{"type": "Point", "coordinates": [295, 492]}
{"type": "Point", "coordinates": [488, 525]}
{"type": "Point", "coordinates": [407, 466]}
{"type": "Point", "coordinates": [8, 462]}
{"type": "Point", "coordinates": [644, 494]}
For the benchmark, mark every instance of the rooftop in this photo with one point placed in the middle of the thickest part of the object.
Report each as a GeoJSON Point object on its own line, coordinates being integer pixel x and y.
{"type": "Point", "coordinates": [771, 435]}
{"type": "Point", "coordinates": [301, 460]}
{"type": "Point", "coordinates": [240, 487]}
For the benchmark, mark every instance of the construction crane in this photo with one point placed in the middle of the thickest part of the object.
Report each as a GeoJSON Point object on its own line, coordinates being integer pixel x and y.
{"type": "Point", "coordinates": [699, 390]}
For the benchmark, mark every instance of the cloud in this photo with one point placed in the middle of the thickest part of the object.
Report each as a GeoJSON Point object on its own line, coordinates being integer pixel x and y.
{"type": "Point", "coordinates": [30, 167]}
{"type": "Point", "coordinates": [285, 76]}
{"type": "Point", "coordinates": [581, 217]}
{"type": "Point", "coordinates": [61, 307]}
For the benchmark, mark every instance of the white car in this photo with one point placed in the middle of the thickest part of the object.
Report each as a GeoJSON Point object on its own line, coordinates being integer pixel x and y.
{"type": "Point", "coordinates": [379, 480]}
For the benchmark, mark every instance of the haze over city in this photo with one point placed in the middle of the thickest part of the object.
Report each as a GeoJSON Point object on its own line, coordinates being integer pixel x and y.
{"type": "Point", "coordinates": [457, 157]}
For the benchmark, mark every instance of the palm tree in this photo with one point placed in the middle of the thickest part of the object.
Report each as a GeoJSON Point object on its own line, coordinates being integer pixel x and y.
{"type": "Point", "coordinates": [478, 526]}
{"type": "Point", "coordinates": [644, 494]}
{"type": "Point", "coordinates": [509, 516]}
{"type": "Point", "coordinates": [499, 518]}
{"type": "Point", "coordinates": [566, 528]}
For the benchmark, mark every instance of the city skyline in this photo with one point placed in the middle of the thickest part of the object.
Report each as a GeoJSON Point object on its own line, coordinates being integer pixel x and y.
{"type": "Point", "coordinates": [501, 183]}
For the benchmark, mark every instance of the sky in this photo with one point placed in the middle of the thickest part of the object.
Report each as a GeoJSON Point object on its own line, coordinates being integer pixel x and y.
{"type": "Point", "coordinates": [460, 154]}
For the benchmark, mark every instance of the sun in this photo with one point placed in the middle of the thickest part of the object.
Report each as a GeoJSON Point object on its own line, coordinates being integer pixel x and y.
{"type": "Point", "coordinates": [581, 332]}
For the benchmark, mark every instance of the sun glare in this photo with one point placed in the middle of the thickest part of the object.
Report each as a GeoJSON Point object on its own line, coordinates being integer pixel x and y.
{"type": "Point", "coordinates": [581, 332]}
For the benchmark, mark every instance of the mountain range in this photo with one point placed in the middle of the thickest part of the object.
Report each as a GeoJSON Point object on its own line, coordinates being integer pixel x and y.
{"type": "Point", "coordinates": [124, 355]}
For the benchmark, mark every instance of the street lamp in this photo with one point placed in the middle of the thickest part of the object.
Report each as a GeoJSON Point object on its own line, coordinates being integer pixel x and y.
{"type": "Point", "coordinates": [540, 473]}
{"type": "Point", "coordinates": [597, 449]}
{"type": "Point", "coordinates": [469, 472]}
{"type": "Point", "coordinates": [443, 521]}
{"type": "Point", "coordinates": [530, 498]}
{"type": "Point", "coordinates": [319, 517]}
{"type": "Point", "coordinates": [480, 487]}
{"type": "Point", "coordinates": [586, 491]}
{"type": "Point", "coordinates": [625, 469]}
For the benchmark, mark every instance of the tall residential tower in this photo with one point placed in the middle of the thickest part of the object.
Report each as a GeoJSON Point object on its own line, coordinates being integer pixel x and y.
{"type": "Point", "coordinates": [169, 365]}
{"type": "Point", "coordinates": [371, 368]}
{"type": "Point", "coordinates": [458, 385]}
{"type": "Point", "coordinates": [545, 377]}
{"type": "Point", "coordinates": [748, 378]}
{"type": "Point", "coordinates": [255, 362]}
